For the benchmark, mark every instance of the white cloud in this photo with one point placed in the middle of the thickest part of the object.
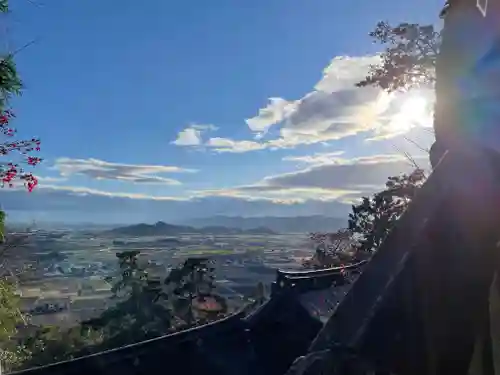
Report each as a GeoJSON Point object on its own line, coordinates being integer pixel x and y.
{"type": "Point", "coordinates": [188, 137]}
{"type": "Point", "coordinates": [192, 135]}
{"type": "Point", "coordinates": [42, 179]}
{"type": "Point", "coordinates": [276, 194]}
{"type": "Point", "coordinates": [84, 191]}
{"type": "Point", "coordinates": [334, 109]}
{"type": "Point", "coordinates": [344, 72]}
{"type": "Point", "coordinates": [326, 184]}
{"type": "Point", "coordinates": [102, 170]}
{"type": "Point", "coordinates": [208, 127]}
{"type": "Point", "coordinates": [365, 174]}
{"type": "Point", "coordinates": [328, 177]}
{"type": "Point", "coordinates": [317, 158]}
{"type": "Point", "coordinates": [276, 111]}
{"type": "Point", "coordinates": [229, 145]}
{"type": "Point", "coordinates": [79, 204]}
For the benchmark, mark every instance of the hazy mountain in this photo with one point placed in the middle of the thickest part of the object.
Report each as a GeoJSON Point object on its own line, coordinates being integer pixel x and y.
{"type": "Point", "coordinates": [55, 225]}
{"type": "Point", "coordinates": [158, 229]}
{"type": "Point", "coordinates": [164, 229]}
{"type": "Point", "coordinates": [297, 224]}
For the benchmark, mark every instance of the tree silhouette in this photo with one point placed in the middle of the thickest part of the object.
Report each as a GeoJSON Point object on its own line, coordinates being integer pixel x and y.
{"type": "Point", "coordinates": [371, 220]}
{"type": "Point", "coordinates": [409, 60]}
{"type": "Point", "coordinates": [146, 307]}
{"type": "Point", "coordinates": [137, 315]}
{"type": "Point", "coordinates": [192, 286]}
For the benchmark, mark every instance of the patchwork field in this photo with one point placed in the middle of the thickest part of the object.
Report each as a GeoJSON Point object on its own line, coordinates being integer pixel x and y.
{"type": "Point", "coordinates": [68, 271]}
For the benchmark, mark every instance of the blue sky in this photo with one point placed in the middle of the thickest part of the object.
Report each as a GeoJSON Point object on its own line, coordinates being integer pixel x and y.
{"type": "Point", "coordinates": [160, 109]}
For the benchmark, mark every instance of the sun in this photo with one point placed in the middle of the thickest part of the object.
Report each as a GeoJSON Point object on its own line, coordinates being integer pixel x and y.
{"type": "Point", "coordinates": [414, 108]}
{"type": "Point", "coordinates": [413, 111]}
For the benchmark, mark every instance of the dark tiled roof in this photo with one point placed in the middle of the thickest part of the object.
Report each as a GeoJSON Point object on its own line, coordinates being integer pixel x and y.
{"type": "Point", "coordinates": [321, 303]}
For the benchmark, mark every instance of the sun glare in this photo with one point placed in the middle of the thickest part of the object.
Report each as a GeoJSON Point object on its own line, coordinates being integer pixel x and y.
{"type": "Point", "coordinates": [414, 108]}
{"type": "Point", "coordinates": [413, 111]}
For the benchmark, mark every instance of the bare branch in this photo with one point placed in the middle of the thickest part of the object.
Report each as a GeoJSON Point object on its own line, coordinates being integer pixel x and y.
{"type": "Point", "coordinates": [421, 148]}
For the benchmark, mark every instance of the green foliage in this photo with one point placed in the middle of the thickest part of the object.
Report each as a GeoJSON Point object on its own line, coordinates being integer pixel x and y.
{"type": "Point", "coordinates": [143, 310]}
{"type": "Point", "coordinates": [10, 317]}
{"type": "Point", "coordinates": [14, 356]}
{"type": "Point", "coordinates": [372, 219]}
{"type": "Point", "coordinates": [133, 277]}
{"type": "Point", "coordinates": [138, 314]}
{"type": "Point", "coordinates": [51, 344]}
{"type": "Point", "coordinates": [191, 283]}
{"type": "Point", "coordinates": [4, 6]}
{"type": "Point", "coordinates": [369, 223]}
{"type": "Point", "coordinates": [10, 83]}
{"type": "Point", "coordinates": [409, 59]}
{"type": "Point", "coordinates": [2, 226]}
{"type": "Point", "coordinates": [10, 314]}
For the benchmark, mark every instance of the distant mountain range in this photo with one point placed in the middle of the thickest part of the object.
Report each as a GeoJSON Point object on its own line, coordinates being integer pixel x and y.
{"type": "Point", "coordinates": [297, 224]}
{"type": "Point", "coordinates": [164, 229]}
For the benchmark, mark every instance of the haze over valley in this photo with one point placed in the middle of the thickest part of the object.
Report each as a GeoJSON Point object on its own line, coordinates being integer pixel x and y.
{"type": "Point", "coordinates": [66, 268]}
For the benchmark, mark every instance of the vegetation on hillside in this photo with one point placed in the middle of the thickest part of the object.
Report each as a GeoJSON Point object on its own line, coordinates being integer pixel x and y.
{"type": "Point", "coordinates": [10, 318]}
{"type": "Point", "coordinates": [374, 217]}
{"type": "Point", "coordinates": [370, 221]}
{"type": "Point", "coordinates": [149, 306]}
{"type": "Point", "coordinates": [144, 307]}
{"type": "Point", "coordinates": [17, 157]}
